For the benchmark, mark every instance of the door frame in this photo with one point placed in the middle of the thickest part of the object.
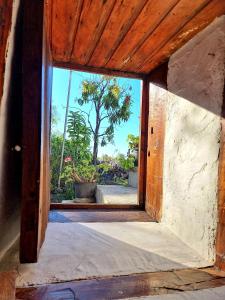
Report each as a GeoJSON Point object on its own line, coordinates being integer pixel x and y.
{"type": "Point", "coordinates": [144, 100]}
{"type": "Point", "coordinates": [36, 77]}
{"type": "Point", "coordinates": [220, 237]}
{"type": "Point", "coordinates": [158, 77]}
{"type": "Point", "coordinates": [36, 93]}
{"type": "Point", "coordinates": [32, 147]}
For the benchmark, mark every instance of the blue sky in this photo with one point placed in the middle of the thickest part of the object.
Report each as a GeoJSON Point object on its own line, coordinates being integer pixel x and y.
{"type": "Point", "coordinates": [59, 96]}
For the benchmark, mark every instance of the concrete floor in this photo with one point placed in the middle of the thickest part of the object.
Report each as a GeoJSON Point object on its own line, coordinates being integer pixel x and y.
{"type": "Point", "coordinates": [75, 251]}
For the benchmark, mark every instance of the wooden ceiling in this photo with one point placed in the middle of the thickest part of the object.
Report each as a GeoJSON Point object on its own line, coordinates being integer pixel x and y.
{"type": "Point", "coordinates": [130, 36]}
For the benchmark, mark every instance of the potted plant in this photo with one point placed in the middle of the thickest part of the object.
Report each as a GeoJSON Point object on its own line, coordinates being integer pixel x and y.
{"type": "Point", "coordinates": [84, 177]}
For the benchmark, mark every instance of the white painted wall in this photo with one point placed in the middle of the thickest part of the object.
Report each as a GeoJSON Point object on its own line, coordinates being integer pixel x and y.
{"type": "Point", "coordinates": [195, 82]}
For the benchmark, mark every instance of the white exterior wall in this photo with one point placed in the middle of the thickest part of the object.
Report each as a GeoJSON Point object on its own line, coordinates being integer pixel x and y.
{"type": "Point", "coordinates": [196, 83]}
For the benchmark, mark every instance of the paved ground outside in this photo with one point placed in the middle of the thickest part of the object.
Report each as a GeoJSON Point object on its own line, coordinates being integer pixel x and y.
{"type": "Point", "coordinates": [116, 194]}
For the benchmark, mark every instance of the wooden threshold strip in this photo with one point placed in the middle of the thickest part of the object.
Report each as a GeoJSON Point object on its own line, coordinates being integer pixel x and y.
{"type": "Point", "coordinates": [121, 287]}
{"type": "Point", "coordinates": [95, 215]}
{"type": "Point", "coordinates": [98, 70]}
{"type": "Point", "coordinates": [92, 206]}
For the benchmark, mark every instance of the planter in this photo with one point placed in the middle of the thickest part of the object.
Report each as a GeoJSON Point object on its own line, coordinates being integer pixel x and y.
{"type": "Point", "coordinates": [85, 189]}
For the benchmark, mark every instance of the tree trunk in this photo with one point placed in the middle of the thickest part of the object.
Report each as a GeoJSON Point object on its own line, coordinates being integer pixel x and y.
{"type": "Point", "coordinates": [65, 126]}
{"type": "Point", "coordinates": [95, 150]}
{"type": "Point", "coordinates": [96, 138]}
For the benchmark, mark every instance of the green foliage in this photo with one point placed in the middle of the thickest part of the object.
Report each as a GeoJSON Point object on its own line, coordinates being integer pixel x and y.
{"type": "Point", "coordinates": [77, 146]}
{"type": "Point", "coordinates": [81, 172]}
{"type": "Point", "coordinates": [133, 145]}
{"type": "Point", "coordinates": [121, 181]}
{"type": "Point", "coordinates": [78, 130]}
{"type": "Point", "coordinates": [104, 167]}
{"type": "Point", "coordinates": [133, 142]}
{"type": "Point", "coordinates": [69, 191]}
{"type": "Point", "coordinates": [56, 145]}
{"type": "Point", "coordinates": [54, 118]}
{"type": "Point", "coordinates": [127, 163]}
{"type": "Point", "coordinates": [71, 150]}
{"type": "Point", "coordinates": [80, 136]}
{"type": "Point", "coordinates": [79, 169]}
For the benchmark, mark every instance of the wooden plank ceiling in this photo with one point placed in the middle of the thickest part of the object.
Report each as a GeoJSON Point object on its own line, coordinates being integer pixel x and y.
{"type": "Point", "coordinates": [132, 36]}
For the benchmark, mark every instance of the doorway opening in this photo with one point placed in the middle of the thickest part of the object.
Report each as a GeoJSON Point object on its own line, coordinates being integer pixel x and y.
{"type": "Point", "coordinates": [94, 139]}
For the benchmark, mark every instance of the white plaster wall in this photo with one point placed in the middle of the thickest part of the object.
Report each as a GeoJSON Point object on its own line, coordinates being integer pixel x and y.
{"type": "Point", "coordinates": [195, 82]}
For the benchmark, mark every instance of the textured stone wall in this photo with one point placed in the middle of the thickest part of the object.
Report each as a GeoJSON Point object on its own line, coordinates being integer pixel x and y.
{"type": "Point", "coordinates": [196, 83]}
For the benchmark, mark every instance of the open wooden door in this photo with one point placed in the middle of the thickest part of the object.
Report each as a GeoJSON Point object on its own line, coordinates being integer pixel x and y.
{"type": "Point", "coordinates": [155, 152]}
{"type": "Point", "coordinates": [155, 141]}
{"type": "Point", "coordinates": [37, 72]}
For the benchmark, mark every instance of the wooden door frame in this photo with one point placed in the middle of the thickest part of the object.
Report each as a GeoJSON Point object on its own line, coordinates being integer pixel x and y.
{"type": "Point", "coordinates": [142, 143]}
{"type": "Point", "coordinates": [32, 63]}
{"type": "Point", "coordinates": [220, 236]}
{"type": "Point", "coordinates": [36, 85]}
{"type": "Point", "coordinates": [31, 145]}
{"type": "Point", "coordinates": [155, 145]}
{"type": "Point", "coordinates": [31, 141]}
{"type": "Point", "coordinates": [158, 77]}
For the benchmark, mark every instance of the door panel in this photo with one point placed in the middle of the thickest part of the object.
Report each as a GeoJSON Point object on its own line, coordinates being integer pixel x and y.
{"type": "Point", "coordinates": [36, 88]}
{"type": "Point", "coordinates": [155, 151]}
{"type": "Point", "coordinates": [45, 137]}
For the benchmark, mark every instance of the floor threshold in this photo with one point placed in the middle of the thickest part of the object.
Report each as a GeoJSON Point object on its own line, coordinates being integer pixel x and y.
{"type": "Point", "coordinates": [126, 286]}
{"type": "Point", "coordinates": [104, 215]}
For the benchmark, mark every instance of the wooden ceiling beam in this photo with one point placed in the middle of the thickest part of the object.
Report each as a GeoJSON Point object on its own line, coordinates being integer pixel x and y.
{"type": "Point", "coordinates": [65, 18]}
{"type": "Point", "coordinates": [149, 19]}
{"type": "Point", "coordinates": [129, 36]}
{"type": "Point", "coordinates": [98, 34]}
{"type": "Point", "coordinates": [73, 32]}
{"type": "Point", "coordinates": [182, 13]}
{"type": "Point", "coordinates": [214, 9]}
{"type": "Point", "coordinates": [163, 43]}
{"type": "Point", "coordinates": [93, 19]}
{"type": "Point", "coordinates": [122, 18]}
{"type": "Point", "coordinates": [98, 70]}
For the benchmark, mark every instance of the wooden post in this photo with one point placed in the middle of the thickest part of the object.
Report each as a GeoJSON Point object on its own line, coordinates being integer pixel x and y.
{"type": "Point", "coordinates": [220, 238]}
{"type": "Point", "coordinates": [155, 134]}
{"type": "Point", "coordinates": [142, 167]}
